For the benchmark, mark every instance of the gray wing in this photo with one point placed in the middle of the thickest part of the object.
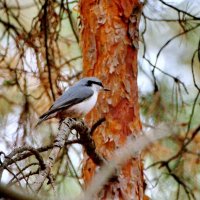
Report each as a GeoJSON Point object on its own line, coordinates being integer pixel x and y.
{"type": "Point", "coordinates": [73, 95]}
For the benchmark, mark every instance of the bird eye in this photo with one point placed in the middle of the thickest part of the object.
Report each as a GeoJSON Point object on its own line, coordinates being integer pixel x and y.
{"type": "Point", "coordinates": [89, 83]}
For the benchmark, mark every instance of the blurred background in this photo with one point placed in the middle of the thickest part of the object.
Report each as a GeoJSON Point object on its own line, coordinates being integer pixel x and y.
{"type": "Point", "coordinates": [40, 57]}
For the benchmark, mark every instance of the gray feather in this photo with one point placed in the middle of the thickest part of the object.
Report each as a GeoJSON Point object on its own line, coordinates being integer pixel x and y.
{"type": "Point", "coordinates": [72, 96]}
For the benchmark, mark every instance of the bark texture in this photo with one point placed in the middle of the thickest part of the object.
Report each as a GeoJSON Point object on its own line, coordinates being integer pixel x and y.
{"type": "Point", "coordinates": [109, 41]}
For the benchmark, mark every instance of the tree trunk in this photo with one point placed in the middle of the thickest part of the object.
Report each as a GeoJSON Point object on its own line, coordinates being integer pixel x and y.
{"type": "Point", "coordinates": [109, 41]}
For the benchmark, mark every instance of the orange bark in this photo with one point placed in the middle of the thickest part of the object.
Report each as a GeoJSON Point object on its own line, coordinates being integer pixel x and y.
{"type": "Point", "coordinates": [108, 54]}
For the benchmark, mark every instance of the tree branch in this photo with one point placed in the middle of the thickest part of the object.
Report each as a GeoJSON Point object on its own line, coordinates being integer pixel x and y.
{"type": "Point", "coordinates": [64, 130]}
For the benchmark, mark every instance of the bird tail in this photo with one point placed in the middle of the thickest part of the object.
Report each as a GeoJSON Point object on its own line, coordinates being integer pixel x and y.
{"type": "Point", "coordinates": [41, 119]}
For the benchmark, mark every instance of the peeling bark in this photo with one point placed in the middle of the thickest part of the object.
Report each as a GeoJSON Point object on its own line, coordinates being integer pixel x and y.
{"type": "Point", "coordinates": [109, 41]}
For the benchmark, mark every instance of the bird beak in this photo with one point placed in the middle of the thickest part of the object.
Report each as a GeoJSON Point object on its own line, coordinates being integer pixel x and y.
{"type": "Point", "coordinates": [106, 89]}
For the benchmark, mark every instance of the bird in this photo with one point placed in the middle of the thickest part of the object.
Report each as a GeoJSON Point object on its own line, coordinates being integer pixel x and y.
{"type": "Point", "coordinates": [76, 101]}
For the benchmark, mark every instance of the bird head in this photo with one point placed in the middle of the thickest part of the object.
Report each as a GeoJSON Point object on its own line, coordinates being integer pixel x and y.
{"type": "Point", "coordinates": [92, 82]}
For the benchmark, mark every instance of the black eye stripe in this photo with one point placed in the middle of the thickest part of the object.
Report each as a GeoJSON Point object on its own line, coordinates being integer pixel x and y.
{"type": "Point", "coordinates": [94, 82]}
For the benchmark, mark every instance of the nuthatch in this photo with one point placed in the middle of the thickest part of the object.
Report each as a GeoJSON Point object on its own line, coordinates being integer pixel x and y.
{"type": "Point", "coordinates": [76, 101]}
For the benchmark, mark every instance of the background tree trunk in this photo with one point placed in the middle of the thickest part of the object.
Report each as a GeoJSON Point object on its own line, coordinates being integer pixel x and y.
{"type": "Point", "coordinates": [109, 40]}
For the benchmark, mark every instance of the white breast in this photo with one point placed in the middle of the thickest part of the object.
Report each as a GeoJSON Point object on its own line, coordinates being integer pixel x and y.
{"type": "Point", "coordinates": [84, 107]}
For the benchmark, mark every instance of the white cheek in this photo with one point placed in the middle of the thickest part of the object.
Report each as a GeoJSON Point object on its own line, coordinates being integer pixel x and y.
{"type": "Point", "coordinates": [96, 87]}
